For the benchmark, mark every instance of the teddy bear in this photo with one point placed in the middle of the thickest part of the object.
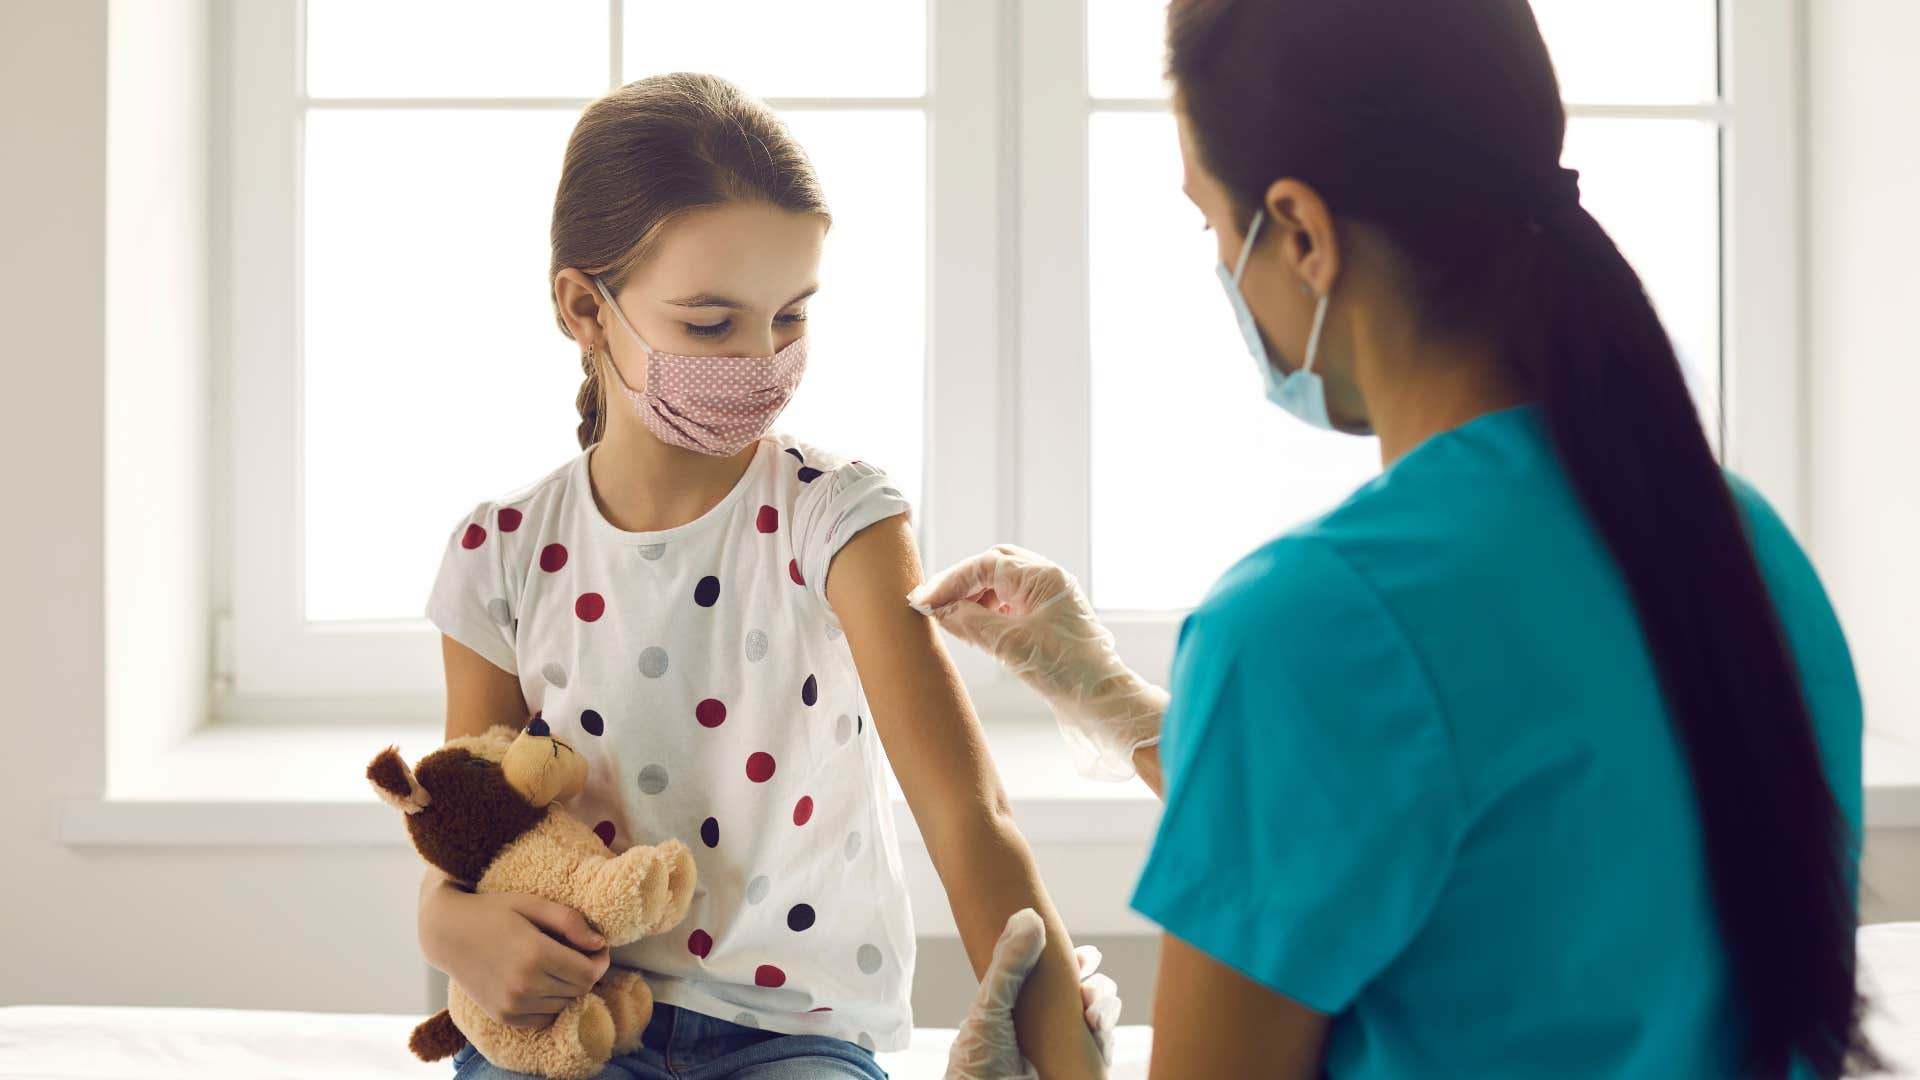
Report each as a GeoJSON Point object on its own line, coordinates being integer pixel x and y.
{"type": "Point", "coordinates": [485, 810]}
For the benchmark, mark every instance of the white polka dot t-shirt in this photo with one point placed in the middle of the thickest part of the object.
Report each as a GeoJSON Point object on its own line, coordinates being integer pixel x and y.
{"type": "Point", "coordinates": [703, 675]}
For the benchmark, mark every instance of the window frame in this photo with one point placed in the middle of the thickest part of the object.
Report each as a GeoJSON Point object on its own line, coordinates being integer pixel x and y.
{"type": "Point", "coordinates": [1761, 346]}
{"type": "Point", "coordinates": [1006, 440]}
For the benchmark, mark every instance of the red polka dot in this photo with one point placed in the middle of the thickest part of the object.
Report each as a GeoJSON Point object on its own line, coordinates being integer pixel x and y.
{"type": "Point", "coordinates": [700, 943]}
{"type": "Point", "coordinates": [552, 557]}
{"type": "Point", "coordinates": [711, 712]}
{"type": "Point", "coordinates": [769, 976]}
{"type": "Point", "coordinates": [769, 519]}
{"type": "Point", "coordinates": [822, 1008]}
{"type": "Point", "coordinates": [760, 767]}
{"type": "Point", "coordinates": [474, 538]}
{"type": "Point", "coordinates": [590, 606]}
{"type": "Point", "coordinates": [509, 519]}
{"type": "Point", "coordinates": [604, 831]}
{"type": "Point", "coordinates": [793, 571]}
{"type": "Point", "coordinates": [803, 810]}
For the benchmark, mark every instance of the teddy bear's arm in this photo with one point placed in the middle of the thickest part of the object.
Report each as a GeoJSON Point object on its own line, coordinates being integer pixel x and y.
{"type": "Point", "coordinates": [641, 891]}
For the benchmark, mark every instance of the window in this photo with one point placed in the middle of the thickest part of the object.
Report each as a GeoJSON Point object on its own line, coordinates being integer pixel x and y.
{"type": "Point", "coordinates": [1018, 317]}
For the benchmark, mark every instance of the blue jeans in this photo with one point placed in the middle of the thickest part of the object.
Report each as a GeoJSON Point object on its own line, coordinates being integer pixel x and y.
{"type": "Point", "coordinates": [682, 1045]}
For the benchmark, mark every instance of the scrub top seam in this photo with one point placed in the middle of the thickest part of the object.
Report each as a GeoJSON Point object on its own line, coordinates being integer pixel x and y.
{"type": "Point", "coordinates": [1426, 677]}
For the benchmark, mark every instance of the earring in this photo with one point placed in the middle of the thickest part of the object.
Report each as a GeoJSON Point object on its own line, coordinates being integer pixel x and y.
{"type": "Point", "coordinates": [1306, 289]}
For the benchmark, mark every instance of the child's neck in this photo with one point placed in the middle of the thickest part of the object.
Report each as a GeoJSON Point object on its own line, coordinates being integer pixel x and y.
{"type": "Point", "coordinates": [643, 485]}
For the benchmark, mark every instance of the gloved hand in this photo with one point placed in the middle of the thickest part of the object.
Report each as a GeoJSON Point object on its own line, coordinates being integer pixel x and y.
{"type": "Point", "coordinates": [985, 1048]}
{"type": "Point", "coordinates": [1030, 615]}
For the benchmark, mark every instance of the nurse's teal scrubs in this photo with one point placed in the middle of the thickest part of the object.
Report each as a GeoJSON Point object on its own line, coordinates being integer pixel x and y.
{"type": "Point", "coordinates": [1420, 778]}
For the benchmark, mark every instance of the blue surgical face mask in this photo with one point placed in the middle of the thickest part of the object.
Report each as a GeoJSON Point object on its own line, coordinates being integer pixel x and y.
{"type": "Point", "coordinates": [1300, 392]}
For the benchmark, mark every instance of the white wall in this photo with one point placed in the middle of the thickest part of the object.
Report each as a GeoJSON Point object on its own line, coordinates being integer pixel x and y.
{"type": "Point", "coordinates": [1863, 154]}
{"type": "Point", "coordinates": [182, 926]}
{"type": "Point", "coordinates": [158, 353]}
{"type": "Point", "coordinates": [1863, 171]}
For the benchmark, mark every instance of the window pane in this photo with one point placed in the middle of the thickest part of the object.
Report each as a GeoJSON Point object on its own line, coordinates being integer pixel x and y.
{"type": "Point", "coordinates": [1192, 467]}
{"type": "Point", "coordinates": [434, 375]}
{"type": "Point", "coordinates": [1126, 48]}
{"type": "Point", "coordinates": [1655, 185]}
{"type": "Point", "coordinates": [1633, 52]}
{"type": "Point", "coordinates": [456, 48]}
{"type": "Point", "coordinates": [866, 369]}
{"type": "Point", "coordinates": [778, 48]}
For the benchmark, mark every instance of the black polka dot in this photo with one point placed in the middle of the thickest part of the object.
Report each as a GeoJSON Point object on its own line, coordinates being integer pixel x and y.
{"type": "Point", "coordinates": [796, 455]}
{"type": "Point", "coordinates": [707, 593]}
{"type": "Point", "coordinates": [799, 917]}
{"type": "Point", "coordinates": [591, 723]}
{"type": "Point", "coordinates": [859, 725]}
{"type": "Point", "coordinates": [710, 832]}
{"type": "Point", "coordinates": [810, 691]}
{"type": "Point", "coordinates": [808, 474]}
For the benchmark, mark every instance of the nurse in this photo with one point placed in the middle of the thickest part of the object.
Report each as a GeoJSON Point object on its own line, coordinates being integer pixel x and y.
{"type": "Point", "coordinates": [1540, 755]}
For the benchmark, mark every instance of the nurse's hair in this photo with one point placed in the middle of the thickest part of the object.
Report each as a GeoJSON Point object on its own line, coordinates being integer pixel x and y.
{"type": "Point", "coordinates": [649, 152]}
{"type": "Point", "coordinates": [1440, 124]}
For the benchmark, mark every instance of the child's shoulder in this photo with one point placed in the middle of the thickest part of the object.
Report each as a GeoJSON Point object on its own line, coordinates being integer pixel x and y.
{"type": "Point", "coordinates": [811, 468]}
{"type": "Point", "coordinates": [529, 499]}
{"type": "Point", "coordinates": [800, 454]}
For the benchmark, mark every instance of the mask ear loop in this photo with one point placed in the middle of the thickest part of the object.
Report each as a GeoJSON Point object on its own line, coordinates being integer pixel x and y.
{"type": "Point", "coordinates": [620, 317]}
{"type": "Point", "coordinates": [1246, 246]}
{"type": "Point", "coordinates": [1319, 324]}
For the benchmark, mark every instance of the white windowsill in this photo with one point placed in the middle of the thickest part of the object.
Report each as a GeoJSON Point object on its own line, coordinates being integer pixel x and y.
{"type": "Point", "coordinates": [1890, 769]}
{"type": "Point", "coordinates": [258, 785]}
{"type": "Point", "coordinates": [248, 785]}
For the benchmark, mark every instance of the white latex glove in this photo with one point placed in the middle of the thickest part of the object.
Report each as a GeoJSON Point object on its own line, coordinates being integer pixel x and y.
{"type": "Point", "coordinates": [985, 1048]}
{"type": "Point", "coordinates": [1030, 615]}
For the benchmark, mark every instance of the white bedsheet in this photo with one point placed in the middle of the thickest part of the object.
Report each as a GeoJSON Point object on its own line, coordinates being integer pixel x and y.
{"type": "Point", "coordinates": [108, 1043]}
{"type": "Point", "coordinates": [43, 1042]}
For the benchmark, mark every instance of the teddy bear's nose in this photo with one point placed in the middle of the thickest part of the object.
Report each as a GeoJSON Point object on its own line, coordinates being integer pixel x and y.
{"type": "Point", "coordinates": [538, 727]}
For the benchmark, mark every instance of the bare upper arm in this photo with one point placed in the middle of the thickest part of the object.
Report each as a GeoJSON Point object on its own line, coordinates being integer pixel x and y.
{"type": "Point", "coordinates": [479, 695]}
{"type": "Point", "coordinates": [1210, 1020]}
{"type": "Point", "coordinates": [921, 709]}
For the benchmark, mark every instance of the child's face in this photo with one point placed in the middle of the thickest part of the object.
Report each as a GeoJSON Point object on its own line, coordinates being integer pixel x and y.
{"type": "Point", "coordinates": [729, 280]}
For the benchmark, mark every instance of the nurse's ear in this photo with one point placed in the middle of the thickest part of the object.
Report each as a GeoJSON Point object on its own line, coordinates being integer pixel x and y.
{"type": "Point", "coordinates": [1309, 244]}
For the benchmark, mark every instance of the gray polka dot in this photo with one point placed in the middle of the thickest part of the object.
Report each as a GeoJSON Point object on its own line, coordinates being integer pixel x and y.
{"type": "Point", "coordinates": [498, 610]}
{"type": "Point", "coordinates": [853, 844]}
{"type": "Point", "coordinates": [833, 632]}
{"type": "Point", "coordinates": [653, 661]}
{"type": "Point", "coordinates": [653, 779]}
{"type": "Point", "coordinates": [843, 729]}
{"type": "Point", "coordinates": [868, 958]}
{"type": "Point", "coordinates": [893, 491]}
{"type": "Point", "coordinates": [555, 674]}
{"type": "Point", "coordinates": [756, 645]}
{"type": "Point", "coordinates": [747, 1019]}
{"type": "Point", "coordinates": [866, 1042]}
{"type": "Point", "coordinates": [758, 888]}
{"type": "Point", "coordinates": [652, 551]}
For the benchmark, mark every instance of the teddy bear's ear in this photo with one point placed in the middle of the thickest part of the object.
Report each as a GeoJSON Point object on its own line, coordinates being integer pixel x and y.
{"type": "Point", "coordinates": [395, 783]}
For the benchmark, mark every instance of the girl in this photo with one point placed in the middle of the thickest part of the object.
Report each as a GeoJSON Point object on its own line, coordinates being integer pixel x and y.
{"type": "Point", "coordinates": [713, 614]}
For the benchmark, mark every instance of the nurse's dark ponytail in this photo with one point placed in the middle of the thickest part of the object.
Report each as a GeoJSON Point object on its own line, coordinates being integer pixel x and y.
{"type": "Point", "coordinates": [1440, 123]}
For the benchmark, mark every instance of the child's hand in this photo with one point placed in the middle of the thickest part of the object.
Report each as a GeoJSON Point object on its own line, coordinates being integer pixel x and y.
{"type": "Point", "coordinates": [520, 957]}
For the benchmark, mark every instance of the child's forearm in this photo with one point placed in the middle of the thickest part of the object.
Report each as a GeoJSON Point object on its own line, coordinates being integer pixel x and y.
{"type": "Point", "coordinates": [989, 876]}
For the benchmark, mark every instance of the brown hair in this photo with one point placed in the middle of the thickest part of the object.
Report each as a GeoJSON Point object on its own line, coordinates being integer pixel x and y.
{"type": "Point", "coordinates": [649, 152]}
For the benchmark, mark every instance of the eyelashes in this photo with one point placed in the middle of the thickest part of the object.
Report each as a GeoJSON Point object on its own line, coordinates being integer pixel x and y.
{"type": "Point", "coordinates": [713, 330]}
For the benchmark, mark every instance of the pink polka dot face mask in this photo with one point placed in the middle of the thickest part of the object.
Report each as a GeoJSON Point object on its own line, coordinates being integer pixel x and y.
{"type": "Point", "coordinates": [711, 404]}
